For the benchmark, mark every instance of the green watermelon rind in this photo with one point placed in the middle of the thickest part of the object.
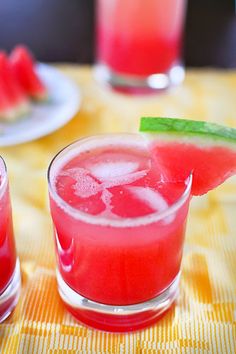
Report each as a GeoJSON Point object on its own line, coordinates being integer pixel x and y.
{"type": "Point", "coordinates": [185, 128]}
{"type": "Point", "coordinates": [17, 112]}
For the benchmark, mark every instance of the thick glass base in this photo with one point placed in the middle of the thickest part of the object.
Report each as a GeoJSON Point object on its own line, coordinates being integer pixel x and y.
{"type": "Point", "coordinates": [117, 318]}
{"type": "Point", "coordinates": [139, 85]}
{"type": "Point", "coordinates": [9, 298]}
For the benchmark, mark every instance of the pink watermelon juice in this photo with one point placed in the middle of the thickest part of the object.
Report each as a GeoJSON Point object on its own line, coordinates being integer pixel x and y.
{"type": "Point", "coordinates": [7, 245]}
{"type": "Point", "coordinates": [139, 38]}
{"type": "Point", "coordinates": [119, 229]}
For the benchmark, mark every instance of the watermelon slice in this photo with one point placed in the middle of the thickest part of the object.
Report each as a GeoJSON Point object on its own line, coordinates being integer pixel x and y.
{"type": "Point", "coordinates": [181, 147]}
{"type": "Point", "coordinates": [7, 110]}
{"type": "Point", "coordinates": [13, 100]}
{"type": "Point", "coordinates": [23, 65]}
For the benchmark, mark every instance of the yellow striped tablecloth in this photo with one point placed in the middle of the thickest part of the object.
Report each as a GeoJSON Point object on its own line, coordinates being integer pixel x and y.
{"type": "Point", "coordinates": [204, 319]}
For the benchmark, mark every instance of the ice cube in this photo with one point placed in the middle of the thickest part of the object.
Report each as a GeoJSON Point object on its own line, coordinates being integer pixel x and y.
{"type": "Point", "coordinates": [74, 173]}
{"type": "Point", "coordinates": [85, 186]}
{"type": "Point", "coordinates": [106, 198]}
{"type": "Point", "coordinates": [126, 179]}
{"type": "Point", "coordinates": [152, 198]}
{"type": "Point", "coordinates": [109, 170]}
{"type": "Point", "coordinates": [107, 212]}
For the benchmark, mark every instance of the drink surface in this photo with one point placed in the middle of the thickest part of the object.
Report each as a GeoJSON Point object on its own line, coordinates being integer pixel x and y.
{"type": "Point", "coordinates": [7, 245]}
{"type": "Point", "coordinates": [116, 182]}
{"type": "Point", "coordinates": [137, 37]}
{"type": "Point", "coordinates": [106, 199]}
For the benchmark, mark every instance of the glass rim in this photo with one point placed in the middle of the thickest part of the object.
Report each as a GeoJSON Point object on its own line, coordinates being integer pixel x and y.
{"type": "Point", "coordinates": [101, 220]}
{"type": "Point", "coordinates": [3, 183]}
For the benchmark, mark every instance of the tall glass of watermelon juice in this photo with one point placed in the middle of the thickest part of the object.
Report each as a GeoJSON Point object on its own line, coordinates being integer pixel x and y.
{"type": "Point", "coordinates": [119, 231]}
{"type": "Point", "coordinates": [139, 43]}
{"type": "Point", "coordinates": [9, 265]}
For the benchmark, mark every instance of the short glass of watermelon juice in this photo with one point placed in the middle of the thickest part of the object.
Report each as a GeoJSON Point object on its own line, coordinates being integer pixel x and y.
{"type": "Point", "coordinates": [9, 264]}
{"type": "Point", "coordinates": [138, 44]}
{"type": "Point", "coordinates": [119, 232]}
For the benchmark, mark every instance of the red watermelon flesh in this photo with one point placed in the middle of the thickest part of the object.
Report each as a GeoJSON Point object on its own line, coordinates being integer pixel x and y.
{"type": "Point", "coordinates": [23, 65]}
{"type": "Point", "coordinates": [7, 109]}
{"type": "Point", "coordinates": [180, 147]}
{"type": "Point", "coordinates": [178, 160]}
{"type": "Point", "coordinates": [14, 101]}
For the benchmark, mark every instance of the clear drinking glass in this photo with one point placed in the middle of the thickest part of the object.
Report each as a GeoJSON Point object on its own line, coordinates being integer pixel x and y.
{"type": "Point", "coordinates": [114, 273]}
{"type": "Point", "coordinates": [9, 264]}
{"type": "Point", "coordinates": [138, 43]}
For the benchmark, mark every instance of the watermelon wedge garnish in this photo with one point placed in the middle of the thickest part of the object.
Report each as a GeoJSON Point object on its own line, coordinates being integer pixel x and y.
{"type": "Point", "coordinates": [24, 68]}
{"type": "Point", "coordinates": [181, 147]}
{"type": "Point", "coordinates": [13, 100]}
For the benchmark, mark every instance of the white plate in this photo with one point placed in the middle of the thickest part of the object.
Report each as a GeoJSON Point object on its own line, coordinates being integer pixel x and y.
{"type": "Point", "coordinates": [44, 118]}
